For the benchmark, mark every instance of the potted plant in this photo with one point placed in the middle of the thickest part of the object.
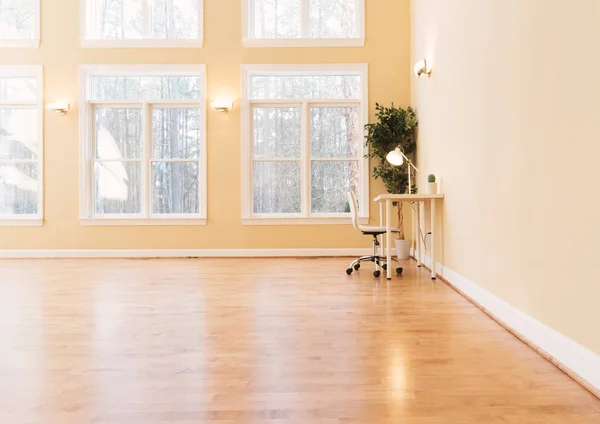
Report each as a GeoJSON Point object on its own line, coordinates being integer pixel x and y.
{"type": "Point", "coordinates": [431, 184]}
{"type": "Point", "coordinates": [395, 127]}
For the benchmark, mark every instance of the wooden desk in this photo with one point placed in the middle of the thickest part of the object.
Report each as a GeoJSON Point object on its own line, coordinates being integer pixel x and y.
{"type": "Point", "coordinates": [417, 199]}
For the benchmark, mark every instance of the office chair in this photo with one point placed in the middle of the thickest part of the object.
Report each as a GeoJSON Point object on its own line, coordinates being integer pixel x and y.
{"type": "Point", "coordinates": [372, 231]}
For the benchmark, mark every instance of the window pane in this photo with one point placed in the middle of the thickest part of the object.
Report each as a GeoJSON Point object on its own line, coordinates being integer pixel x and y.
{"type": "Point", "coordinates": [277, 132]}
{"type": "Point", "coordinates": [18, 134]}
{"type": "Point", "coordinates": [119, 19]}
{"type": "Point", "coordinates": [277, 187]}
{"type": "Point", "coordinates": [18, 89]}
{"type": "Point", "coordinates": [17, 19]}
{"type": "Point", "coordinates": [277, 18]}
{"type": "Point", "coordinates": [117, 187]}
{"type": "Point", "coordinates": [146, 88]}
{"type": "Point", "coordinates": [175, 19]}
{"type": "Point", "coordinates": [305, 86]}
{"type": "Point", "coordinates": [330, 181]}
{"type": "Point", "coordinates": [118, 133]}
{"type": "Point", "coordinates": [334, 132]}
{"type": "Point", "coordinates": [18, 189]}
{"type": "Point", "coordinates": [175, 188]}
{"type": "Point", "coordinates": [333, 19]}
{"type": "Point", "coordinates": [176, 133]}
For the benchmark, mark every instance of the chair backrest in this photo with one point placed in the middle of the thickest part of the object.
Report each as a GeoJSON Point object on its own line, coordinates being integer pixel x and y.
{"type": "Point", "coordinates": [353, 208]}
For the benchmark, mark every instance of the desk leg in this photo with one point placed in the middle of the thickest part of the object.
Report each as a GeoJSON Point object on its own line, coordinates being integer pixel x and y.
{"type": "Point", "coordinates": [388, 238]}
{"type": "Point", "coordinates": [418, 233]}
{"type": "Point", "coordinates": [433, 266]}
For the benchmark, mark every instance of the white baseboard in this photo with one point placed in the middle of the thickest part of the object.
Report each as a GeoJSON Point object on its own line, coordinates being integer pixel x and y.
{"type": "Point", "coordinates": [577, 361]}
{"type": "Point", "coordinates": [180, 253]}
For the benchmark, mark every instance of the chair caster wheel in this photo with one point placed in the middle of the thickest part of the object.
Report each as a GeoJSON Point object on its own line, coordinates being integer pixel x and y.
{"type": "Point", "coordinates": [349, 271]}
{"type": "Point", "coordinates": [385, 267]}
{"type": "Point", "coordinates": [357, 267]}
{"type": "Point", "coordinates": [399, 271]}
{"type": "Point", "coordinates": [377, 273]}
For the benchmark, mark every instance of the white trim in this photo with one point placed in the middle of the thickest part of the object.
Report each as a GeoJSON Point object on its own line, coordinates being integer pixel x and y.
{"type": "Point", "coordinates": [21, 222]}
{"type": "Point", "coordinates": [301, 221]}
{"type": "Point", "coordinates": [249, 40]}
{"type": "Point", "coordinates": [359, 69]}
{"type": "Point", "coordinates": [183, 253]}
{"type": "Point", "coordinates": [568, 353]}
{"type": "Point", "coordinates": [32, 43]}
{"type": "Point", "coordinates": [108, 222]}
{"type": "Point", "coordinates": [85, 129]}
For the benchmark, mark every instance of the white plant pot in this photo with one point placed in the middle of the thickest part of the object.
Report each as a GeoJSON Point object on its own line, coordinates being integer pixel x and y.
{"type": "Point", "coordinates": [402, 249]}
{"type": "Point", "coordinates": [431, 188]}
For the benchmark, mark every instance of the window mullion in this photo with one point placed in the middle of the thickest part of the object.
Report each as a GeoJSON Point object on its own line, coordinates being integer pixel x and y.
{"type": "Point", "coordinates": [305, 162]}
{"type": "Point", "coordinates": [305, 19]}
{"type": "Point", "coordinates": [147, 11]}
{"type": "Point", "coordinates": [146, 159]}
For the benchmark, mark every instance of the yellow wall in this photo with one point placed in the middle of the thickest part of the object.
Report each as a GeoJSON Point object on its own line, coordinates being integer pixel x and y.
{"type": "Point", "coordinates": [387, 52]}
{"type": "Point", "coordinates": [509, 122]}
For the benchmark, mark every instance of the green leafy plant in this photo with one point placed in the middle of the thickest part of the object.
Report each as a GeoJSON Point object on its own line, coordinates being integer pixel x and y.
{"type": "Point", "coordinates": [431, 178]}
{"type": "Point", "coordinates": [395, 127]}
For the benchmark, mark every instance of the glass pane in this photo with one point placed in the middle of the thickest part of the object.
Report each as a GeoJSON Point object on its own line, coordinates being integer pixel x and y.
{"type": "Point", "coordinates": [17, 19]}
{"type": "Point", "coordinates": [277, 187]}
{"type": "Point", "coordinates": [117, 187]}
{"type": "Point", "coordinates": [19, 134]}
{"type": "Point", "coordinates": [119, 19]}
{"type": "Point", "coordinates": [146, 88]}
{"type": "Point", "coordinates": [18, 89]}
{"type": "Point", "coordinates": [334, 132]}
{"type": "Point", "coordinates": [305, 87]}
{"type": "Point", "coordinates": [277, 18]}
{"type": "Point", "coordinates": [330, 181]}
{"type": "Point", "coordinates": [19, 189]}
{"type": "Point", "coordinates": [175, 188]}
{"type": "Point", "coordinates": [118, 133]}
{"type": "Point", "coordinates": [176, 133]}
{"type": "Point", "coordinates": [277, 132]}
{"type": "Point", "coordinates": [333, 19]}
{"type": "Point", "coordinates": [175, 19]}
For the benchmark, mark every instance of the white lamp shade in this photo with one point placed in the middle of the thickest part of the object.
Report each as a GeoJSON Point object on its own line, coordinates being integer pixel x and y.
{"type": "Point", "coordinates": [395, 157]}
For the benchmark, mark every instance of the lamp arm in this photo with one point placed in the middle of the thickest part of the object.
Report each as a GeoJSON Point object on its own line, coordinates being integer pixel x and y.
{"type": "Point", "coordinates": [408, 161]}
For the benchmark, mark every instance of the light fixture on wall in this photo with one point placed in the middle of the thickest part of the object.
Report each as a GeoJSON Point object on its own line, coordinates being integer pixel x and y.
{"type": "Point", "coordinates": [396, 158]}
{"type": "Point", "coordinates": [59, 107]}
{"type": "Point", "coordinates": [422, 68]}
{"type": "Point", "coordinates": [222, 104]}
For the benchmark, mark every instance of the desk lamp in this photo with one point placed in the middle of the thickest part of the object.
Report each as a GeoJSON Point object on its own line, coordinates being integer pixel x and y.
{"type": "Point", "coordinates": [396, 158]}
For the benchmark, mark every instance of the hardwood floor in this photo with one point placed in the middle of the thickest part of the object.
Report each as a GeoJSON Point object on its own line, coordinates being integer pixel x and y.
{"type": "Point", "coordinates": [261, 341]}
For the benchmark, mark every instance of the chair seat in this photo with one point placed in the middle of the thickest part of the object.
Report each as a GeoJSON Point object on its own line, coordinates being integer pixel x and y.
{"type": "Point", "coordinates": [372, 229]}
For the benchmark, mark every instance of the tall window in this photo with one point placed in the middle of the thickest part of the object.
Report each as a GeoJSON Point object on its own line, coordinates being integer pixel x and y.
{"type": "Point", "coordinates": [143, 148]}
{"type": "Point", "coordinates": [303, 142]}
{"type": "Point", "coordinates": [21, 118]}
{"type": "Point", "coordinates": [19, 23]}
{"type": "Point", "coordinates": [284, 23]}
{"type": "Point", "coordinates": [142, 23]}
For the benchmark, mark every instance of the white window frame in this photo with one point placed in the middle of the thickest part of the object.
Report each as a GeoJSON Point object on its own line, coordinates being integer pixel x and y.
{"type": "Point", "coordinates": [306, 217]}
{"type": "Point", "coordinates": [32, 43]}
{"type": "Point", "coordinates": [34, 220]}
{"type": "Point", "coordinates": [87, 216]}
{"type": "Point", "coordinates": [304, 41]}
{"type": "Point", "coordinates": [87, 23]}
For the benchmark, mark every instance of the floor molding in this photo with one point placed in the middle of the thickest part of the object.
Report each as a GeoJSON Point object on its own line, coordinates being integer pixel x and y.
{"type": "Point", "coordinates": [180, 253]}
{"type": "Point", "coordinates": [570, 357]}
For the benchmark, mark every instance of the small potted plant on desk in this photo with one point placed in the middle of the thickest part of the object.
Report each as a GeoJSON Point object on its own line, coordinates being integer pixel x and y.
{"type": "Point", "coordinates": [395, 127]}
{"type": "Point", "coordinates": [431, 184]}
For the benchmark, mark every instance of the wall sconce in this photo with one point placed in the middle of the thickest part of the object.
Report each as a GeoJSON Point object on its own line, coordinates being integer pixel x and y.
{"type": "Point", "coordinates": [59, 107]}
{"type": "Point", "coordinates": [222, 105]}
{"type": "Point", "coordinates": [422, 68]}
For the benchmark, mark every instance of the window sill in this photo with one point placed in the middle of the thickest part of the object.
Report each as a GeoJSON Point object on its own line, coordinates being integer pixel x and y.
{"type": "Point", "coordinates": [109, 222]}
{"type": "Point", "coordinates": [21, 44]}
{"type": "Point", "coordinates": [144, 43]}
{"type": "Point", "coordinates": [303, 42]}
{"type": "Point", "coordinates": [301, 221]}
{"type": "Point", "coordinates": [21, 222]}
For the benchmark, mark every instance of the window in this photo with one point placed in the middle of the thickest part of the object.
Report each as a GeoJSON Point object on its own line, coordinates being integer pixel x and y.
{"type": "Point", "coordinates": [143, 147]}
{"type": "Point", "coordinates": [19, 23]}
{"type": "Point", "coordinates": [303, 143]}
{"type": "Point", "coordinates": [21, 118]}
{"type": "Point", "coordinates": [142, 23]}
{"type": "Point", "coordinates": [303, 23]}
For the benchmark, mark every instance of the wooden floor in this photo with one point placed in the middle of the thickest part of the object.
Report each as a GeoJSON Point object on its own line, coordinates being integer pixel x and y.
{"type": "Point", "coordinates": [261, 341]}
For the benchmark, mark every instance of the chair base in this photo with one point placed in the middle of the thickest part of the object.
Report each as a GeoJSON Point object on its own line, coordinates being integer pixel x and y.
{"type": "Point", "coordinates": [380, 261]}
